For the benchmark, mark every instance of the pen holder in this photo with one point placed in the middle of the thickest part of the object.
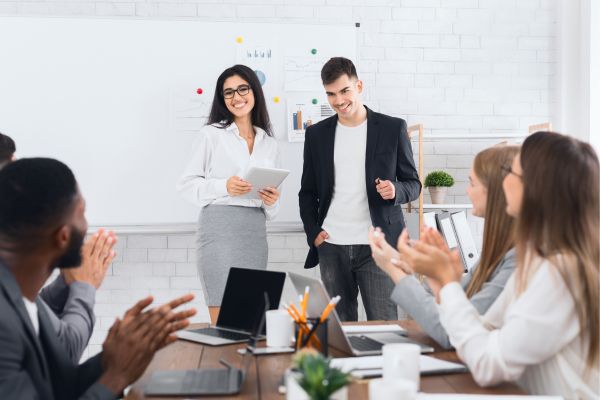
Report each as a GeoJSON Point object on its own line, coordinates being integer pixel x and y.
{"type": "Point", "coordinates": [312, 335]}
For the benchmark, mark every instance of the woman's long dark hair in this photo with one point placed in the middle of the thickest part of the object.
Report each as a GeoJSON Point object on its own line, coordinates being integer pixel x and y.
{"type": "Point", "coordinates": [220, 115]}
{"type": "Point", "coordinates": [558, 221]}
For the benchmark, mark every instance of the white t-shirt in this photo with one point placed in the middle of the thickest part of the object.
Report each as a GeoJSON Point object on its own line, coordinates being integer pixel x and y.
{"type": "Point", "coordinates": [348, 219]}
{"type": "Point", "coordinates": [219, 154]}
{"type": "Point", "coordinates": [32, 310]}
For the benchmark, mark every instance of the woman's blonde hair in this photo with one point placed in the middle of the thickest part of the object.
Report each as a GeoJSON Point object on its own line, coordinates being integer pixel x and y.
{"type": "Point", "coordinates": [559, 217]}
{"type": "Point", "coordinates": [498, 231]}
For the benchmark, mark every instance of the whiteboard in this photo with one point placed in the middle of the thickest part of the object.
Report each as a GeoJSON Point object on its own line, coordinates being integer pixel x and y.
{"type": "Point", "coordinates": [116, 100]}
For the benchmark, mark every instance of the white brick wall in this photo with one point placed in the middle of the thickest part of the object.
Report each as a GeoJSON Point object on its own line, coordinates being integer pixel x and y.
{"type": "Point", "coordinates": [460, 67]}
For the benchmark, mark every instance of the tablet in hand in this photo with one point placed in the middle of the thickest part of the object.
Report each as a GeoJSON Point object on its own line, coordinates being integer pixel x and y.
{"type": "Point", "coordinates": [261, 178]}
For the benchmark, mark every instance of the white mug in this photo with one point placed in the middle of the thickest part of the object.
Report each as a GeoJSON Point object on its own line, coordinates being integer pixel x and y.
{"type": "Point", "coordinates": [401, 361]}
{"type": "Point", "coordinates": [280, 328]}
{"type": "Point", "coordinates": [399, 389]}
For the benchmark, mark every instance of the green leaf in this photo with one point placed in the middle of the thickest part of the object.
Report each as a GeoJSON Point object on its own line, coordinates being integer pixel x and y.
{"type": "Point", "coordinates": [439, 178]}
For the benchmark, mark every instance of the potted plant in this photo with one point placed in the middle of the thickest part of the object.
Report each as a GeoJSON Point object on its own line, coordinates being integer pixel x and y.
{"type": "Point", "coordinates": [315, 376]}
{"type": "Point", "coordinates": [438, 183]}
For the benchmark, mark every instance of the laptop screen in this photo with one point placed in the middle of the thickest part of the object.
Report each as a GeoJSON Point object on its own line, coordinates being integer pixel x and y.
{"type": "Point", "coordinates": [244, 296]}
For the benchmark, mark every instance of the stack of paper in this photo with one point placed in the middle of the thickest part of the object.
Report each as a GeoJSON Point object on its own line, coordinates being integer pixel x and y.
{"type": "Point", "coordinates": [363, 329]}
{"type": "Point", "coordinates": [428, 396]}
{"type": "Point", "coordinates": [369, 367]}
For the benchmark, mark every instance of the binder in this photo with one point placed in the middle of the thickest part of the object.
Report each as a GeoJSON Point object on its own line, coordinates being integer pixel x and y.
{"type": "Point", "coordinates": [444, 222]}
{"type": "Point", "coordinates": [468, 249]}
{"type": "Point", "coordinates": [429, 220]}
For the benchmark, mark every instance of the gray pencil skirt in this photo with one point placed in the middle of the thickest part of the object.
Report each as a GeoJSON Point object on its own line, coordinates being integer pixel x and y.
{"type": "Point", "coordinates": [228, 236]}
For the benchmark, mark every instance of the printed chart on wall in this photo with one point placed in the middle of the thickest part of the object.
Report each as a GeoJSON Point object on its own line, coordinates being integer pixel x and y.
{"type": "Point", "coordinates": [261, 59]}
{"type": "Point", "coordinates": [302, 69]}
{"type": "Point", "coordinates": [189, 110]}
{"type": "Point", "coordinates": [304, 110]}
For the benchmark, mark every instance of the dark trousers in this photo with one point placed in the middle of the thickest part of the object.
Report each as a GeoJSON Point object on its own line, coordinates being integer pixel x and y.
{"type": "Point", "coordinates": [346, 269]}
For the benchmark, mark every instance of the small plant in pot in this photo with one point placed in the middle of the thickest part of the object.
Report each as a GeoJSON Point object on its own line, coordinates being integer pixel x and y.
{"type": "Point", "coordinates": [317, 378]}
{"type": "Point", "coordinates": [438, 183]}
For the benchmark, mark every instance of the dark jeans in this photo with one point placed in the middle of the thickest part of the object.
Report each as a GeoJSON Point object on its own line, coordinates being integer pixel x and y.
{"type": "Point", "coordinates": [347, 268]}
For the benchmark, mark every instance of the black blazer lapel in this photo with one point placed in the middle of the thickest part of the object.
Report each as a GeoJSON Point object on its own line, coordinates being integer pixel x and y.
{"type": "Point", "coordinates": [328, 154]}
{"type": "Point", "coordinates": [372, 138]}
{"type": "Point", "coordinates": [15, 296]}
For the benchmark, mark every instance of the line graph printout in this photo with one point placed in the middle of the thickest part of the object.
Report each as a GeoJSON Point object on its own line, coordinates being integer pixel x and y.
{"type": "Point", "coordinates": [189, 110]}
{"type": "Point", "coordinates": [303, 71]}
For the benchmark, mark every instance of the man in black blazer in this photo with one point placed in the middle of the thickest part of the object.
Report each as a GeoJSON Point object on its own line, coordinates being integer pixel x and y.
{"type": "Point", "coordinates": [358, 171]}
{"type": "Point", "coordinates": [42, 225]}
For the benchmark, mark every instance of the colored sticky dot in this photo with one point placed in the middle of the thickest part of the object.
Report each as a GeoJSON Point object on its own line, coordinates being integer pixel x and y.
{"type": "Point", "coordinates": [313, 51]}
{"type": "Point", "coordinates": [199, 91]}
{"type": "Point", "coordinates": [315, 101]}
{"type": "Point", "coordinates": [239, 39]}
{"type": "Point", "coordinates": [276, 99]}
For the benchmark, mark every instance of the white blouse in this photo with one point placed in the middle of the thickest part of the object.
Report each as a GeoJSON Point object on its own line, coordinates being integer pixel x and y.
{"type": "Point", "coordinates": [220, 153]}
{"type": "Point", "coordinates": [531, 338]}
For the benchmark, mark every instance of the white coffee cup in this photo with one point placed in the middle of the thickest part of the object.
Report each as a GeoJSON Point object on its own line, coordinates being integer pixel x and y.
{"type": "Point", "coordinates": [400, 389]}
{"type": "Point", "coordinates": [401, 361]}
{"type": "Point", "coordinates": [280, 328]}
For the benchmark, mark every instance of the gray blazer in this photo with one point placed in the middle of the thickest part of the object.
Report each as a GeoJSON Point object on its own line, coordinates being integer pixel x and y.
{"type": "Point", "coordinates": [71, 313]}
{"type": "Point", "coordinates": [36, 367]}
{"type": "Point", "coordinates": [420, 304]}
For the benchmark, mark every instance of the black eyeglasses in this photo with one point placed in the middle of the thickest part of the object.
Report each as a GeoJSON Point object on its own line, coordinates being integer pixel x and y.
{"type": "Point", "coordinates": [242, 90]}
{"type": "Point", "coordinates": [508, 170]}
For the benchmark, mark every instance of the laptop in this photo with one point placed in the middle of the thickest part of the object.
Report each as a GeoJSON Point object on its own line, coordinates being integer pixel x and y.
{"type": "Point", "coordinates": [208, 381]}
{"type": "Point", "coordinates": [244, 290]}
{"type": "Point", "coordinates": [366, 344]}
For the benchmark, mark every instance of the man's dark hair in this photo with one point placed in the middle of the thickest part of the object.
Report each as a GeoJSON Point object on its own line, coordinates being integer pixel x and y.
{"type": "Point", "coordinates": [7, 149]}
{"type": "Point", "coordinates": [220, 115]}
{"type": "Point", "coordinates": [36, 194]}
{"type": "Point", "coordinates": [336, 67]}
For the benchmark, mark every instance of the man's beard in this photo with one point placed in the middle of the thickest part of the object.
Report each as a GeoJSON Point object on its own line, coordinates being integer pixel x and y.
{"type": "Point", "coordinates": [72, 256]}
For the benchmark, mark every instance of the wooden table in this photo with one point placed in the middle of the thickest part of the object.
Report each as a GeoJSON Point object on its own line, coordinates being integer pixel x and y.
{"type": "Point", "coordinates": [269, 369]}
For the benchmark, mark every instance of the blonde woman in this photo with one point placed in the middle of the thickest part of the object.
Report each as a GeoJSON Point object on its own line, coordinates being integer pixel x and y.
{"type": "Point", "coordinates": [482, 283]}
{"type": "Point", "coordinates": [543, 331]}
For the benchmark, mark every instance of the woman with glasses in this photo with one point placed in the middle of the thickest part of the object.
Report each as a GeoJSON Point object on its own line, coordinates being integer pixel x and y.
{"type": "Point", "coordinates": [484, 282]}
{"type": "Point", "coordinates": [231, 228]}
{"type": "Point", "coordinates": [543, 331]}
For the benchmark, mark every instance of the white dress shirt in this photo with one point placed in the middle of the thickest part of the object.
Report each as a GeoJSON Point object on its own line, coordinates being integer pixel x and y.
{"type": "Point", "coordinates": [348, 219]}
{"type": "Point", "coordinates": [531, 338]}
{"type": "Point", "coordinates": [32, 311]}
{"type": "Point", "coordinates": [220, 153]}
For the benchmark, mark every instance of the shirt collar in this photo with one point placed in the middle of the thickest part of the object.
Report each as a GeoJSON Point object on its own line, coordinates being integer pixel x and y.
{"type": "Point", "coordinates": [260, 133]}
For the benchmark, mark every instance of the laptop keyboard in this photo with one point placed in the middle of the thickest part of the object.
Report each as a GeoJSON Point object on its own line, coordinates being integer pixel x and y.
{"type": "Point", "coordinates": [363, 343]}
{"type": "Point", "coordinates": [206, 381]}
{"type": "Point", "coordinates": [219, 333]}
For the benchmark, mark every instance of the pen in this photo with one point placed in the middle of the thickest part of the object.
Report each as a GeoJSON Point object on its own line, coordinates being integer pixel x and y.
{"type": "Point", "coordinates": [329, 308]}
{"type": "Point", "coordinates": [305, 302]}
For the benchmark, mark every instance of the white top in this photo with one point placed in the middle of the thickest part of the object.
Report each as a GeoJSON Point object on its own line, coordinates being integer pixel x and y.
{"type": "Point", "coordinates": [220, 153]}
{"type": "Point", "coordinates": [348, 219]}
{"type": "Point", "coordinates": [532, 338]}
{"type": "Point", "coordinates": [32, 310]}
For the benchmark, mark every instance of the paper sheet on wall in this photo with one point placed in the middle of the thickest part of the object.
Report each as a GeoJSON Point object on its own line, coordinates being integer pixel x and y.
{"type": "Point", "coordinates": [188, 110]}
{"type": "Point", "coordinates": [302, 69]}
{"type": "Point", "coordinates": [304, 110]}
{"type": "Point", "coordinates": [262, 60]}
